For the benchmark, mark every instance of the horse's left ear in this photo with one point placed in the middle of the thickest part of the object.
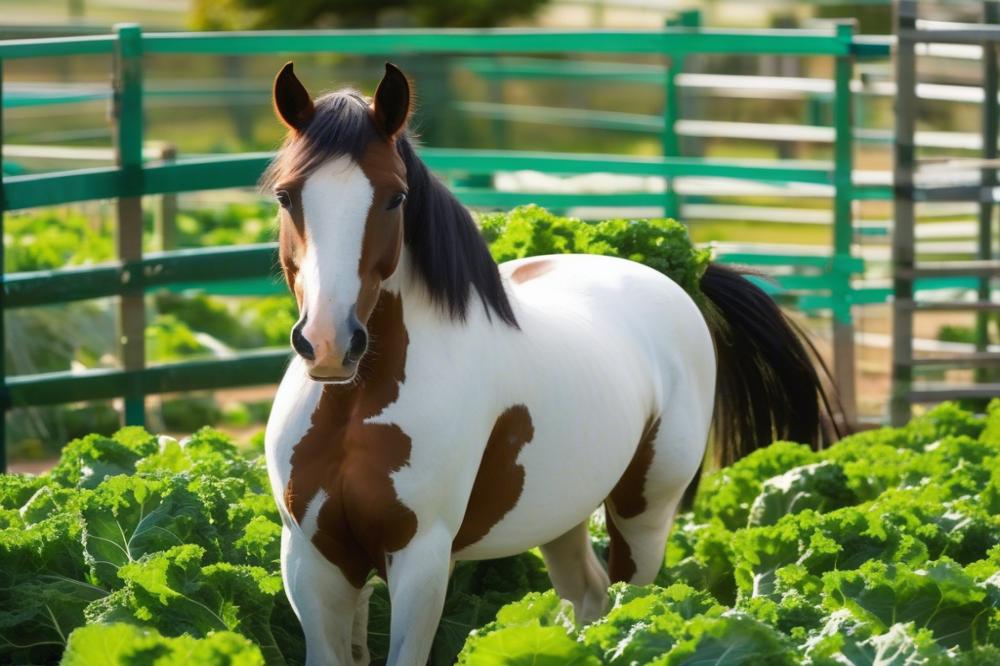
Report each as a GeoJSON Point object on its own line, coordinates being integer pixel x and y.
{"type": "Point", "coordinates": [392, 101]}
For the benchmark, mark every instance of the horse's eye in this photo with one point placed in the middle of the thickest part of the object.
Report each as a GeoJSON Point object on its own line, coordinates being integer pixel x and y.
{"type": "Point", "coordinates": [283, 199]}
{"type": "Point", "coordinates": [396, 201]}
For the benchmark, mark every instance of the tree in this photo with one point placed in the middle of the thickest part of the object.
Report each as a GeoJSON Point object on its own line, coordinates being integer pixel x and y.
{"type": "Point", "coordinates": [270, 14]}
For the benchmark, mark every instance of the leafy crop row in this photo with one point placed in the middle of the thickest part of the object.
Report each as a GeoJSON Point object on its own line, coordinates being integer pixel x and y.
{"type": "Point", "coordinates": [662, 244]}
{"type": "Point", "coordinates": [883, 549]}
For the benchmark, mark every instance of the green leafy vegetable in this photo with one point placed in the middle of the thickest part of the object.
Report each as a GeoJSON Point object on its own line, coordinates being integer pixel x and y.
{"type": "Point", "coordinates": [117, 644]}
{"type": "Point", "coordinates": [883, 549]}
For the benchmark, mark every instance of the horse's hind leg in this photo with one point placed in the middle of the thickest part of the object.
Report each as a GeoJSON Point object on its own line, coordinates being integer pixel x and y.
{"type": "Point", "coordinates": [637, 543]}
{"type": "Point", "coordinates": [576, 573]}
{"type": "Point", "coordinates": [640, 510]}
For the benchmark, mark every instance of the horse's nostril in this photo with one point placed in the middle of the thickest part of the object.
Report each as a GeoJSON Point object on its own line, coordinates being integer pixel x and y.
{"type": "Point", "coordinates": [359, 343]}
{"type": "Point", "coordinates": [299, 342]}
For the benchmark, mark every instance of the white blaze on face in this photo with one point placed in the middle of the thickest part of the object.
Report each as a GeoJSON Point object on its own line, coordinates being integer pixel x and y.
{"type": "Point", "coordinates": [335, 202]}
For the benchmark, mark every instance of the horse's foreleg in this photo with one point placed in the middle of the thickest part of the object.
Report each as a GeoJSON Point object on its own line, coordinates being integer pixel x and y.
{"type": "Point", "coordinates": [418, 581]}
{"type": "Point", "coordinates": [323, 600]}
{"type": "Point", "coordinates": [359, 632]}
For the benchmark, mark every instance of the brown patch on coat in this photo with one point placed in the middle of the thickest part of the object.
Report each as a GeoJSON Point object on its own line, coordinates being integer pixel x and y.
{"type": "Point", "coordinates": [500, 478]}
{"type": "Point", "coordinates": [383, 238]}
{"type": "Point", "coordinates": [362, 520]}
{"type": "Point", "coordinates": [621, 566]}
{"type": "Point", "coordinates": [531, 270]}
{"type": "Point", "coordinates": [627, 495]}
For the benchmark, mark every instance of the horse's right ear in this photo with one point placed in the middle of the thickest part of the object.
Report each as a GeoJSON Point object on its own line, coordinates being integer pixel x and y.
{"type": "Point", "coordinates": [292, 102]}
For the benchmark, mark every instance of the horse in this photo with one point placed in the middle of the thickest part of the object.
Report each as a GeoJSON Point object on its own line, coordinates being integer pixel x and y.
{"type": "Point", "coordinates": [440, 407]}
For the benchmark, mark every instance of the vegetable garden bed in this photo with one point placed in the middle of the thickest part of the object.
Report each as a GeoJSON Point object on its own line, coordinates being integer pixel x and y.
{"type": "Point", "coordinates": [883, 549]}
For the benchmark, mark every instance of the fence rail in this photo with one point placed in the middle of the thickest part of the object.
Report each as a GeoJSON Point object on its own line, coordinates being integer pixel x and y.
{"type": "Point", "coordinates": [131, 179]}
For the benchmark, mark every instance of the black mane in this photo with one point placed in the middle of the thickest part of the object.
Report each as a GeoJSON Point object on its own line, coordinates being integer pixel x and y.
{"type": "Point", "coordinates": [448, 251]}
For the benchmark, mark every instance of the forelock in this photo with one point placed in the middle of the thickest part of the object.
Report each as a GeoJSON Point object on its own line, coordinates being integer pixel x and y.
{"type": "Point", "coordinates": [341, 125]}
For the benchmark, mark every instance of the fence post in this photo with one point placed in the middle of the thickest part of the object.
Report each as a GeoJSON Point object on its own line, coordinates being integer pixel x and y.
{"type": "Point", "coordinates": [903, 238]}
{"type": "Point", "coordinates": [671, 111]}
{"type": "Point", "coordinates": [127, 119]}
{"type": "Point", "coordinates": [4, 394]}
{"type": "Point", "coordinates": [843, 223]}
{"type": "Point", "coordinates": [990, 130]}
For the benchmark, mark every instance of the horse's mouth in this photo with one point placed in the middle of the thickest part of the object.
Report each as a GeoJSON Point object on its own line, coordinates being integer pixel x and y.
{"type": "Point", "coordinates": [333, 379]}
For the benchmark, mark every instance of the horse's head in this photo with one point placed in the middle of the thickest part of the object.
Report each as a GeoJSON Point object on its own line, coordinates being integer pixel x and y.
{"type": "Point", "coordinates": [342, 185]}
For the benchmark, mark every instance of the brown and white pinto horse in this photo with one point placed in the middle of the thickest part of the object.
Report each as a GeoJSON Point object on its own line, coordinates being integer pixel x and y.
{"type": "Point", "coordinates": [443, 408]}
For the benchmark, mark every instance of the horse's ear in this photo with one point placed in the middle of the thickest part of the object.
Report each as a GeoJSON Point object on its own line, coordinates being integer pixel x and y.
{"type": "Point", "coordinates": [392, 101]}
{"type": "Point", "coordinates": [292, 102]}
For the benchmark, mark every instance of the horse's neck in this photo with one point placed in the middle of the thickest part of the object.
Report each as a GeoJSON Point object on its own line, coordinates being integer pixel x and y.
{"type": "Point", "coordinates": [418, 307]}
{"type": "Point", "coordinates": [400, 311]}
{"type": "Point", "coordinates": [401, 278]}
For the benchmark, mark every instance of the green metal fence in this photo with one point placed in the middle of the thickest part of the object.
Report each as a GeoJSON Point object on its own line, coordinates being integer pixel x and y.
{"type": "Point", "coordinates": [130, 179]}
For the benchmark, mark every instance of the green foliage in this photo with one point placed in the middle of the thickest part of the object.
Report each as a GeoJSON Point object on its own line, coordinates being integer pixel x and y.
{"type": "Point", "coordinates": [137, 549]}
{"type": "Point", "coordinates": [64, 337]}
{"type": "Point", "coordinates": [169, 339]}
{"type": "Point", "coordinates": [951, 333]}
{"type": "Point", "coordinates": [233, 224]}
{"type": "Point", "coordinates": [119, 643]}
{"type": "Point", "coordinates": [271, 317]}
{"type": "Point", "coordinates": [883, 549]}
{"type": "Point", "coordinates": [189, 412]}
{"type": "Point", "coordinates": [257, 322]}
{"type": "Point", "coordinates": [53, 239]}
{"type": "Point", "coordinates": [940, 597]}
{"type": "Point", "coordinates": [727, 495]}
{"type": "Point", "coordinates": [264, 14]}
{"type": "Point", "coordinates": [661, 244]}
{"type": "Point", "coordinates": [201, 313]}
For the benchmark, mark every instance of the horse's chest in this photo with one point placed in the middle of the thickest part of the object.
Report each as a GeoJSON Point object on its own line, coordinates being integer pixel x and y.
{"type": "Point", "coordinates": [331, 475]}
{"type": "Point", "coordinates": [355, 488]}
{"type": "Point", "coordinates": [340, 494]}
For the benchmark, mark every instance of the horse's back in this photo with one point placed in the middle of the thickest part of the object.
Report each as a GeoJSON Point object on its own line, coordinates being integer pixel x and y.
{"type": "Point", "coordinates": [637, 319]}
{"type": "Point", "coordinates": [625, 302]}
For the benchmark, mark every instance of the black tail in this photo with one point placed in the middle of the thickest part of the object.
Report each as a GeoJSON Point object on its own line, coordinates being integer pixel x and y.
{"type": "Point", "coordinates": [767, 386]}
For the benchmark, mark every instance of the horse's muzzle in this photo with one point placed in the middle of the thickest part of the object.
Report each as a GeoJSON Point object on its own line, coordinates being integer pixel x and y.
{"type": "Point", "coordinates": [324, 359]}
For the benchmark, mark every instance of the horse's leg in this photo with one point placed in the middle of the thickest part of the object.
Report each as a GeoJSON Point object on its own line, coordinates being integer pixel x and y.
{"type": "Point", "coordinates": [637, 544]}
{"type": "Point", "coordinates": [322, 598]}
{"type": "Point", "coordinates": [576, 573]}
{"type": "Point", "coordinates": [359, 632]}
{"type": "Point", "coordinates": [418, 581]}
{"type": "Point", "coordinates": [638, 539]}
